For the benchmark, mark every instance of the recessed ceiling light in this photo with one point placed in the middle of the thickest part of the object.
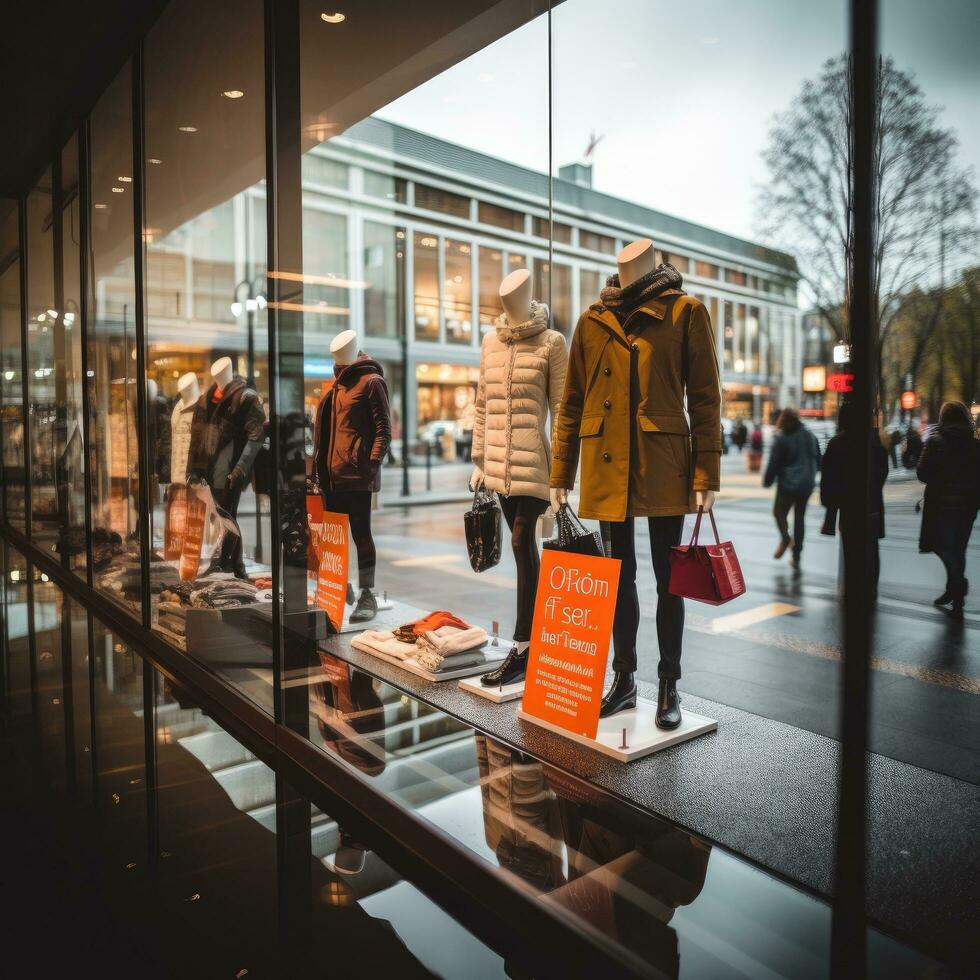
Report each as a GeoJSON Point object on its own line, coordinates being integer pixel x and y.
{"type": "Point", "coordinates": [118, 190]}
{"type": "Point", "coordinates": [101, 207]}
{"type": "Point", "coordinates": [336, 18]}
{"type": "Point", "coordinates": [187, 129]}
{"type": "Point", "coordinates": [125, 180]}
{"type": "Point", "coordinates": [154, 161]}
{"type": "Point", "coordinates": [233, 93]}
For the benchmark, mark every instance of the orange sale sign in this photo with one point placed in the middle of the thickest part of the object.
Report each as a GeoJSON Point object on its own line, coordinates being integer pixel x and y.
{"type": "Point", "coordinates": [328, 541]}
{"type": "Point", "coordinates": [573, 618]}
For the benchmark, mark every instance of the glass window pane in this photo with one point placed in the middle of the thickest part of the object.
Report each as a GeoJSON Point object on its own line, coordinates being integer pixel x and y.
{"type": "Point", "coordinates": [705, 270]}
{"type": "Point", "coordinates": [385, 186]}
{"type": "Point", "coordinates": [426, 261]}
{"type": "Point", "coordinates": [437, 199]}
{"type": "Point", "coordinates": [11, 379]}
{"type": "Point", "coordinates": [384, 269]}
{"type": "Point", "coordinates": [595, 242]}
{"type": "Point", "coordinates": [457, 291]}
{"type": "Point", "coordinates": [327, 293]}
{"type": "Point", "coordinates": [494, 214]}
{"type": "Point", "coordinates": [491, 274]}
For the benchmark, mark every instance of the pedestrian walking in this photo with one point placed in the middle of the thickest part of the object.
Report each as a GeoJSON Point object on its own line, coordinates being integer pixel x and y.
{"type": "Point", "coordinates": [894, 445]}
{"type": "Point", "coordinates": [950, 468]}
{"type": "Point", "coordinates": [793, 466]}
{"type": "Point", "coordinates": [913, 447]}
{"type": "Point", "coordinates": [740, 435]}
{"type": "Point", "coordinates": [837, 501]}
{"type": "Point", "coordinates": [754, 459]}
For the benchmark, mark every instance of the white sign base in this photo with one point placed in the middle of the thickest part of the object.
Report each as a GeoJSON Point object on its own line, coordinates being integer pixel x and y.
{"type": "Point", "coordinates": [498, 694]}
{"type": "Point", "coordinates": [412, 665]}
{"type": "Point", "coordinates": [642, 735]}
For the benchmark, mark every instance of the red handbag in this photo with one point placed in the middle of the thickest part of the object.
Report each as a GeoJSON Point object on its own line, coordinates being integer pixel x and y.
{"type": "Point", "coordinates": [706, 572]}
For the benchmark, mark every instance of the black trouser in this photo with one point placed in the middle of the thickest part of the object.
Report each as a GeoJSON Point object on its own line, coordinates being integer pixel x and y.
{"type": "Point", "coordinates": [232, 559]}
{"type": "Point", "coordinates": [952, 531]}
{"type": "Point", "coordinates": [780, 509]}
{"type": "Point", "coordinates": [356, 504]}
{"type": "Point", "coordinates": [521, 514]}
{"type": "Point", "coordinates": [665, 532]}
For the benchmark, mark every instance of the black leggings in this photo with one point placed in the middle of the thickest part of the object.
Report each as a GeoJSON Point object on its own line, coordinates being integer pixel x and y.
{"type": "Point", "coordinates": [356, 504]}
{"type": "Point", "coordinates": [665, 532]}
{"type": "Point", "coordinates": [521, 514]}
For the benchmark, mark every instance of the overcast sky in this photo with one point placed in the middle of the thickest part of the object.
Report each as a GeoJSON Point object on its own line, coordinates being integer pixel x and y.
{"type": "Point", "coordinates": [682, 94]}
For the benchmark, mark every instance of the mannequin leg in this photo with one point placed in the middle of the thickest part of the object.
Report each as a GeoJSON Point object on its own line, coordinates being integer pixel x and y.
{"type": "Point", "coordinates": [232, 559]}
{"type": "Point", "coordinates": [521, 514]}
{"type": "Point", "coordinates": [356, 504]}
{"type": "Point", "coordinates": [665, 532]}
{"type": "Point", "coordinates": [626, 621]}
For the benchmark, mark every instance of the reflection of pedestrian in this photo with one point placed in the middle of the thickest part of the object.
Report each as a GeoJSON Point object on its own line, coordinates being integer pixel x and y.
{"type": "Point", "coordinates": [894, 444]}
{"type": "Point", "coordinates": [833, 489]}
{"type": "Point", "coordinates": [913, 447]}
{"type": "Point", "coordinates": [754, 460]}
{"type": "Point", "coordinates": [756, 441]}
{"type": "Point", "coordinates": [740, 435]}
{"type": "Point", "coordinates": [793, 465]}
{"type": "Point", "coordinates": [950, 468]}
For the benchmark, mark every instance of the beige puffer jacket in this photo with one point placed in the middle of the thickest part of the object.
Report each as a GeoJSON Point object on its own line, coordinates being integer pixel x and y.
{"type": "Point", "coordinates": [522, 374]}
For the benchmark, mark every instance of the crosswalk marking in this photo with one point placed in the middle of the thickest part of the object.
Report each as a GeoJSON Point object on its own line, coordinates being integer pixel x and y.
{"type": "Point", "coordinates": [740, 620]}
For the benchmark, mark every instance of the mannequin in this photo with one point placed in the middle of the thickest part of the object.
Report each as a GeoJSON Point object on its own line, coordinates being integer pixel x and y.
{"type": "Point", "coordinates": [640, 356]}
{"type": "Point", "coordinates": [352, 432]}
{"type": "Point", "coordinates": [227, 432]}
{"type": "Point", "coordinates": [522, 371]}
{"type": "Point", "coordinates": [181, 424]}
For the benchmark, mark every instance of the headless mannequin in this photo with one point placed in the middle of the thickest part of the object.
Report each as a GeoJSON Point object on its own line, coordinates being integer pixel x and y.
{"type": "Point", "coordinates": [188, 389]}
{"type": "Point", "coordinates": [636, 260]}
{"type": "Point", "coordinates": [222, 372]}
{"type": "Point", "coordinates": [521, 512]}
{"type": "Point", "coordinates": [356, 504]}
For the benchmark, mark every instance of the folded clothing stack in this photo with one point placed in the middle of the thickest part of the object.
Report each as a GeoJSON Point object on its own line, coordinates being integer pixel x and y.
{"type": "Point", "coordinates": [221, 595]}
{"type": "Point", "coordinates": [437, 649]}
{"type": "Point", "coordinates": [410, 632]}
{"type": "Point", "coordinates": [173, 617]}
{"type": "Point", "coordinates": [383, 643]}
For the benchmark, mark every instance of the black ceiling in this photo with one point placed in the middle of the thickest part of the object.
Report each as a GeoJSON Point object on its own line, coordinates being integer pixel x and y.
{"type": "Point", "coordinates": [55, 58]}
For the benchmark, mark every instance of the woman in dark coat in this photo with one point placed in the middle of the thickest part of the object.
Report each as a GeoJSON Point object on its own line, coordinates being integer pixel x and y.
{"type": "Point", "coordinates": [950, 468]}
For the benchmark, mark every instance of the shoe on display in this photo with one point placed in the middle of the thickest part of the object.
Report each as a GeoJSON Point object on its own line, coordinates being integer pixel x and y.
{"type": "Point", "coordinates": [782, 548]}
{"type": "Point", "coordinates": [620, 697]}
{"type": "Point", "coordinates": [366, 608]}
{"type": "Point", "coordinates": [511, 671]}
{"type": "Point", "coordinates": [668, 704]}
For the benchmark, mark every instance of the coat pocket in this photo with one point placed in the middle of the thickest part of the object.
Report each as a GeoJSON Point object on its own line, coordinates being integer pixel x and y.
{"type": "Point", "coordinates": [591, 425]}
{"type": "Point", "coordinates": [667, 438]}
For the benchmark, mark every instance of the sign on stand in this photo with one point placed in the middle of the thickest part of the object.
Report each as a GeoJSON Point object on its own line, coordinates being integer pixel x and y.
{"type": "Point", "coordinates": [573, 618]}
{"type": "Point", "coordinates": [328, 541]}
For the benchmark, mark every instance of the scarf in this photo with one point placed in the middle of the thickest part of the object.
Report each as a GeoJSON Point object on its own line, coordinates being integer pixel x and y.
{"type": "Point", "coordinates": [655, 282]}
{"type": "Point", "coordinates": [509, 333]}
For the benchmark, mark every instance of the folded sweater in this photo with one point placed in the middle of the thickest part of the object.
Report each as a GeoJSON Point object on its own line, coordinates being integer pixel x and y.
{"type": "Point", "coordinates": [435, 646]}
{"type": "Point", "coordinates": [383, 642]}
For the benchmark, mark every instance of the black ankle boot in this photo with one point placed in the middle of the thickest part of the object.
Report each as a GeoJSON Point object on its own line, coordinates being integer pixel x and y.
{"type": "Point", "coordinates": [621, 696]}
{"type": "Point", "coordinates": [511, 671]}
{"type": "Point", "coordinates": [366, 608]}
{"type": "Point", "coordinates": [668, 704]}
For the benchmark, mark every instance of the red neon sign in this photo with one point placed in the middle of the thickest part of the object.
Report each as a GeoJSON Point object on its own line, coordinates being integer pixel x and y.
{"type": "Point", "coordinates": [840, 382]}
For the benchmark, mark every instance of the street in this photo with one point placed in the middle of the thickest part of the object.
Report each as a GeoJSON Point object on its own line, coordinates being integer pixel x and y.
{"type": "Point", "coordinates": [776, 651]}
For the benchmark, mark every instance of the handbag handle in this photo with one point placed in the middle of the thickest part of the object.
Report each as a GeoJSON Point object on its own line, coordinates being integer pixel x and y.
{"type": "Point", "coordinates": [697, 527]}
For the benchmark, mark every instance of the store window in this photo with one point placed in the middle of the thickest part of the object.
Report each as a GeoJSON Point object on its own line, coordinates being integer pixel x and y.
{"type": "Point", "coordinates": [426, 263]}
{"type": "Point", "coordinates": [384, 264]}
{"type": "Point", "coordinates": [680, 262]}
{"type": "Point", "coordinates": [705, 270]}
{"type": "Point", "coordinates": [735, 277]}
{"type": "Point", "coordinates": [500, 217]}
{"type": "Point", "coordinates": [553, 285]}
{"type": "Point", "coordinates": [491, 273]}
{"type": "Point", "coordinates": [728, 349]}
{"type": "Point", "coordinates": [515, 261]}
{"type": "Point", "coordinates": [11, 378]}
{"type": "Point", "coordinates": [755, 341]}
{"type": "Point", "coordinates": [437, 199]}
{"type": "Point", "coordinates": [458, 300]}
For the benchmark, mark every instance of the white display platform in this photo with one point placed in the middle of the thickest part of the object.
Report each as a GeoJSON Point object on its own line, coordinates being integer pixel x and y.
{"type": "Point", "coordinates": [498, 694]}
{"type": "Point", "coordinates": [642, 735]}
{"type": "Point", "coordinates": [412, 665]}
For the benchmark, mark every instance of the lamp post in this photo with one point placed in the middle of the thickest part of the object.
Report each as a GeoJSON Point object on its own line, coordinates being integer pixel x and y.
{"type": "Point", "coordinates": [254, 300]}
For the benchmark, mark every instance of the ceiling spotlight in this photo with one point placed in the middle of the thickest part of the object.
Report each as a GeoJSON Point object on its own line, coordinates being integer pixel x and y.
{"type": "Point", "coordinates": [233, 93]}
{"type": "Point", "coordinates": [125, 180]}
{"type": "Point", "coordinates": [187, 129]}
{"type": "Point", "coordinates": [336, 18]}
{"type": "Point", "coordinates": [154, 161]}
{"type": "Point", "coordinates": [101, 207]}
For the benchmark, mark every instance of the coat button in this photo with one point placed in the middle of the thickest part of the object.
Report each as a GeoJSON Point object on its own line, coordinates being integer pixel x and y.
{"type": "Point", "coordinates": [606, 457]}
{"type": "Point", "coordinates": [636, 348]}
{"type": "Point", "coordinates": [607, 371]}
{"type": "Point", "coordinates": [607, 404]}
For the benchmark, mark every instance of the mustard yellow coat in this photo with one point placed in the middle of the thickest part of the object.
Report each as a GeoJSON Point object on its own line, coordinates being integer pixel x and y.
{"type": "Point", "coordinates": [623, 410]}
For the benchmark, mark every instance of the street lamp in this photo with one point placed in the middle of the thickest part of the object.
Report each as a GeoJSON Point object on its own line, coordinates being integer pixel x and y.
{"type": "Point", "coordinates": [254, 299]}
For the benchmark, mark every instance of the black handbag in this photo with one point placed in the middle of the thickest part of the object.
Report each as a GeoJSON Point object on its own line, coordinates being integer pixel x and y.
{"type": "Point", "coordinates": [482, 525]}
{"type": "Point", "coordinates": [573, 536]}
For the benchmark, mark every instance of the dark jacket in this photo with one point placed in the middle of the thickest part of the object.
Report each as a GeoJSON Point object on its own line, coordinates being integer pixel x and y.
{"type": "Point", "coordinates": [622, 411]}
{"type": "Point", "coordinates": [227, 435]}
{"type": "Point", "coordinates": [353, 429]}
{"type": "Point", "coordinates": [950, 468]}
{"type": "Point", "coordinates": [833, 480]}
{"type": "Point", "coordinates": [794, 461]}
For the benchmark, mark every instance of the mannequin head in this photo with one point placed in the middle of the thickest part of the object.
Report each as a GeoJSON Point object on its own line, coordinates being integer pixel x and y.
{"type": "Point", "coordinates": [344, 347]}
{"type": "Point", "coordinates": [188, 388]}
{"type": "Point", "coordinates": [515, 296]}
{"type": "Point", "coordinates": [221, 372]}
{"type": "Point", "coordinates": [636, 260]}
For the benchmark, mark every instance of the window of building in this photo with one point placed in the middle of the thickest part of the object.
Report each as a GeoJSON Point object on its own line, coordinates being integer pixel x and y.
{"type": "Point", "coordinates": [753, 340]}
{"type": "Point", "coordinates": [557, 231]}
{"type": "Point", "coordinates": [491, 274]}
{"type": "Point", "coordinates": [735, 277]}
{"type": "Point", "coordinates": [322, 170]}
{"type": "Point", "coordinates": [590, 282]}
{"type": "Point", "coordinates": [212, 237]}
{"type": "Point", "coordinates": [457, 295]}
{"type": "Point", "coordinates": [446, 202]}
{"type": "Point", "coordinates": [493, 214]}
{"type": "Point", "coordinates": [705, 269]}
{"type": "Point", "coordinates": [385, 186]}
{"type": "Point", "coordinates": [553, 285]}
{"type": "Point", "coordinates": [327, 289]}
{"type": "Point", "coordinates": [595, 242]}
{"type": "Point", "coordinates": [680, 262]}
{"type": "Point", "coordinates": [384, 258]}
{"type": "Point", "coordinates": [728, 349]}
{"type": "Point", "coordinates": [516, 261]}
{"type": "Point", "coordinates": [425, 254]}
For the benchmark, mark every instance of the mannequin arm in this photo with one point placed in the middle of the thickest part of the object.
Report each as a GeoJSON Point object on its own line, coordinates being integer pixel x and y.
{"type": "Point", "coordinates": [557, 370]}
{"type": "Point", "coordinates": [479, 419]}
{"type": "Point", "coordinates": [476, 478]}
{"type": "Point", "coordinates": [381, 416]}
{"type": "Point", "coordinates": [559, 496]}
{"type": "Point", "coordinates": [705, 499]}
{"type": "Point", "coordinates": [704, 401]}
{"type": "Point", "coordinates": [566, 448]}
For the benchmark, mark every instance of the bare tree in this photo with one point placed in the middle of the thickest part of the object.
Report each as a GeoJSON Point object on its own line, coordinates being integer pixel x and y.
{"type": "Point", "coordinates": [924, 200]}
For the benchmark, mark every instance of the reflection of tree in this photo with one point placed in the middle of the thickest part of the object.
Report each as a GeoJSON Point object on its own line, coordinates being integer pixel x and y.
{"type": "Point", "coordinates": [924, 203]}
